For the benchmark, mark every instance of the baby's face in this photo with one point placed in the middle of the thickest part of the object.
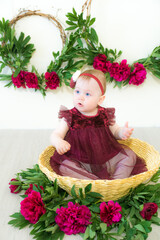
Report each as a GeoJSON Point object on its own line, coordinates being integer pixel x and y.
{"type": "Point", "coordinates": [86, 96]}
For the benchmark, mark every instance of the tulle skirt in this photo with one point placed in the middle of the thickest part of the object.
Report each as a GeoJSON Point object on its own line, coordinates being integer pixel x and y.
{"type": "Point", "coordinates": [123, 165]}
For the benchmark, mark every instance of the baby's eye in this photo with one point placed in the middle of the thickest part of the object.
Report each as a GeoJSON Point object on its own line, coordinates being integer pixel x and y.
{"type": "Point", "coordinates": [77, 91]}
{"type": "Point", "coordinates": [88, 94]}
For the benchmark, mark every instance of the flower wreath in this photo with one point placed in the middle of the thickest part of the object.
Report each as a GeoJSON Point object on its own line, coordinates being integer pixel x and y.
{"type": "Point", "coordinates": [51, 214]}
{"type": "Point", "coordinates": [81, 47]}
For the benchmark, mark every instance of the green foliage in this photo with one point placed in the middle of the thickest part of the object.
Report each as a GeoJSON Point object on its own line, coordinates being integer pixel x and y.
{"type": "Point", "coordinates": [18, 221]}
{"type": "Point", "coordinates": [131, 227]}
{"type": "Point", "coordinates": [81, 47]}
{"type": "Point", "coordinates": [152, 62]}
{"type": "Point", "coordinates": [15, 52]}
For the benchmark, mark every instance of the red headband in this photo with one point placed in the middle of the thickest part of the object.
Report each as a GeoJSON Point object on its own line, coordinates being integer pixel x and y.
{"type": "Point", "coordinates": [97, 80]}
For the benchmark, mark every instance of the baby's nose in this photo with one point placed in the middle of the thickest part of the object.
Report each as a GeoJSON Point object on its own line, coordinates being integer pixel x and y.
{"type": "Point", "coordinates": [81, 97]}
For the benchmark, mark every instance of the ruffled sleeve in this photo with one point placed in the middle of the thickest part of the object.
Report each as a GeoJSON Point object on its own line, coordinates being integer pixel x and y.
{"type": "Point", "coordinates": [66, 114]}
{"type": "Point", "coordinates": [110, 114]}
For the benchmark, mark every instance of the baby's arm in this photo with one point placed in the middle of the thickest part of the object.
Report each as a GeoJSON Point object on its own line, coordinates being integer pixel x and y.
{"type": "Point", "coordinates": [121, 132]}
{"type": "Point", "coordinates": [57, 138]}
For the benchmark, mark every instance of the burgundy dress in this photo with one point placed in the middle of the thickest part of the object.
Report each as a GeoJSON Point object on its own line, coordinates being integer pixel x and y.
{"type": "Point", "coordinates": [94, 153]}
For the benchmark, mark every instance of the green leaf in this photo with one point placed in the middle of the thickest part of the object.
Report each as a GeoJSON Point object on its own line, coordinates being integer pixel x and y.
{"type": "Point", "coordinates": [155, 177]}
{"type": "Point", "coordinates": [86, 234]}
{"type": "Point", "coordinates": [35, 188]}
{"type": "Point", "coordinates": [92, 21]}
{"type": "Point", "coordinates": [3, 65]}
{"type": "Point", "coordinates": [56, 54]}
{"type": "Point", "coordinates": [17, 189]}
{"type": "Point", "coordinates": [94, 35]}
{"type": "Point", "coordinates": [80, 192]}
{"type": "Point", "coordinates": [26, 40]}
{"type": "Point", "coordinates": [92, 233]}
{"type": "Point", "coordinates": [140, 228]}
{"type": "Point", "coordinates": [155, 220]}
{"type": "Point", "coordinates": [95, 208]}
{"type": "Point", "coordinates": [147, 226]}
{"type": "Point", "coordinates": [80, 43]}
{"type": "Point", "coordinates": [121, 229]}
{"type": "Point", "coordinates": [119, 53]}
{"type": "Point", "coordinates": [156, 55]}
{"type": "Point", "coordinates": [73, 193]}
{"type": "Point", "coordinates": [9, 84]}
{"type": "Point", "coordinates": [63, 50]}
{"type": "Point", "coordinates": [132, 212]}
{"type": "Point", "coordinates": [15, 182]}
{"type": "Point", "coordinates": [4, 77]}
{"type": "Point", "coordinates": [17, 71]}
{"type": "Point", "coordinates": [103, 227]}
{"type": "Point", "coordinates": [60, 236]}
{"type": "Point", "coordinates": [130, 232]}
{"type": "Point", "coordinates": [74, 12]}
{"type": "Point", "coordinates": [52, 229]}
{"type": "Point", "coordinates": [156, 73]}
{"type": "Point", "coordinates": [95, 194]}
{"type": "Point", "coordinates": [140, 236]}
{"type": "Point", "coordinates": [29, 48]}
{"type": "Point", "coordinates": [21, 37]}
{"type": "Point", "coordinates": [71, 28]}
{"type": "Point", "coordinates": [88, 188]}
{"type": "Point", "coordinates": [71, 23]}
{"type": "Point", "coordinates": [71, 17]}
{"type": "Point", "coordinates": [19, 221]}
{"type": "Point", "coordinates": [118, 84]}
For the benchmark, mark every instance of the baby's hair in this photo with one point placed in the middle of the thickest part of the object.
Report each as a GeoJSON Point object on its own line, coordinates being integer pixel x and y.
{"type": "Point", "coordinates": [97, 73]}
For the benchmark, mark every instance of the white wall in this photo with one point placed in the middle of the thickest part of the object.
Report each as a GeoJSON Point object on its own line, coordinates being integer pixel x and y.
{"type": "Point", "coordinates": [128, 25]}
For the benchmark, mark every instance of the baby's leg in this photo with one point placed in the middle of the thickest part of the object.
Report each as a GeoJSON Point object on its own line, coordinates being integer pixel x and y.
{"type": "Point", "coordinates": [124, 165]}
{"type": "Point", "coordinates": [73, 169]}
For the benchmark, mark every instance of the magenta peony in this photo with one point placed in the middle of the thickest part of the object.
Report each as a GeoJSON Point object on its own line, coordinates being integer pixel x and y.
{"type": "Point", "coordinates": [149, 209]}
{"type": "Point", "coordinates": [32, 207]}
{"type": "Point", "coordinates": [101, 64]}
{"type": "Point", "coordinates": [19, 81]}
{"type": "Point", "coordinates": [120, 72]}
{"type": "Point", "coordinates": [13, 188]}
{"type": "Point", "coordinates": [110, 213]}
{"type": "Point", "coordinates": [30, 189]}
{"type": "Point", "coordinates": [73, 219]}
{"type": "Point", "coordinates": [138, 75]}
{"type": "Point", "coordinates": [31, 80]}
{"type": "Point", "coordinates": [52, 80]}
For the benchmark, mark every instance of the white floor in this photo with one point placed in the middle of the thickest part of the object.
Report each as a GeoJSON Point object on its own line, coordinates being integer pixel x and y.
{"type": "Point", "coordinates": [20, 149]}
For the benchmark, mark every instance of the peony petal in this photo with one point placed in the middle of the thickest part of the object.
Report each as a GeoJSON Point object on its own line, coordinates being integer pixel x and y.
{"type": "Point", "coordinates": [117, 217]}
{"type": "Point", "coordinates": [102, 206]}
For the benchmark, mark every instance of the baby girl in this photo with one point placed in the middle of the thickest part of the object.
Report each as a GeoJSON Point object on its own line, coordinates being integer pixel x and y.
{"type": "Point", "coordinates": [86, 138]}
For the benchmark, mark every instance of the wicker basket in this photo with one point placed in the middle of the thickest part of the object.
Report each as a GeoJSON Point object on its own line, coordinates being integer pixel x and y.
{"type": "Point", "coordinates": [110, 189]}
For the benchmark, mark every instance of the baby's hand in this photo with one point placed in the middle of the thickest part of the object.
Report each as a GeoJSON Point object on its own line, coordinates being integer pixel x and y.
{"type": "Point", "coordinates": [62, 146]}
{"type": "Point", "coordinates": [125, 132]}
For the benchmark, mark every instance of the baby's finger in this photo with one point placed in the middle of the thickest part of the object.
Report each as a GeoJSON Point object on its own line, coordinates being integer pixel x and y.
{"type": "Point", "coordinates": [129, 133]}
{"type": "Point", "coordinates": [126, 125]}
{"type": "Point", "coordinates": [69, 146]}
{"type": "Point", "coordinates": [59, 151]}
{"type": "Point", "coordinates": [124, 138]}
{"type": "Point", "coordinates": [66, 148]}
{"type": "Point", "coordinates": [131, 129]}
{"type": "Point", "coordinates": [126, 135]}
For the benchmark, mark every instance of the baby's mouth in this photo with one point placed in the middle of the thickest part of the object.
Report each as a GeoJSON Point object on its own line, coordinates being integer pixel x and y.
{"type": "Point", "coordinates": [80, 104]}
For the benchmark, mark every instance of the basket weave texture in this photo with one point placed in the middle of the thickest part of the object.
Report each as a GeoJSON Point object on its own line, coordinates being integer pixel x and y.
{"type": "Point", "coordinates": [110, 189]}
